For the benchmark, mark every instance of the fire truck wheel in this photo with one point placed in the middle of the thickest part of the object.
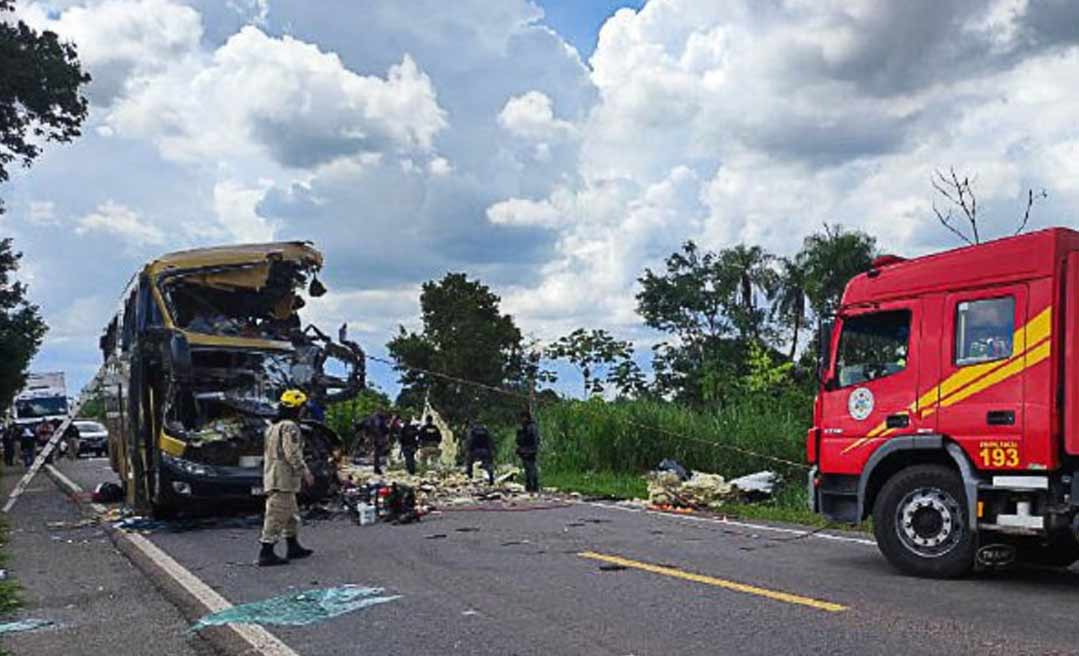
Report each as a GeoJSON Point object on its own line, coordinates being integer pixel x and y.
{"type": "Point", "coordinates": [920, 522]}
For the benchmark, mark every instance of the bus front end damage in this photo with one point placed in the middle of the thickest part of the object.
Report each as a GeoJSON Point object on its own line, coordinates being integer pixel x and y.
{"type": "Point", "coordinates": [207, 342]}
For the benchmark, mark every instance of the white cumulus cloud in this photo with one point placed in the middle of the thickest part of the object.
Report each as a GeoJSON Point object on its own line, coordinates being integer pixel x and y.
{"type": "Point", "coordinates": [283, 98]}
{"type": "Point", "coordinates": [121, 221]}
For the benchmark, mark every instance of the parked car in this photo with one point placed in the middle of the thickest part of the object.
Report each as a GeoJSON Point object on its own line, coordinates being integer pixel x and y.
{"type": "Point", "coordinates": [93, 437]}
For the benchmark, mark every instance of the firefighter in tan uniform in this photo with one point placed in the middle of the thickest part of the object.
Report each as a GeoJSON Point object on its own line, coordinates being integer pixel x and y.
{"type": "Point", "coordinates": [283, 472]}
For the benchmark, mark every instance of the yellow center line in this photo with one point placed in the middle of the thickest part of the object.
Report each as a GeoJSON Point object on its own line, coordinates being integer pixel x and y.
{"type": "Point", "coordinates": [785, 597]}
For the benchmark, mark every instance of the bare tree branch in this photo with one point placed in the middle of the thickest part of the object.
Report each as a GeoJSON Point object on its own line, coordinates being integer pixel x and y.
{"type": "Point", "coordinates": [1030, 203]}
{"type": "Point", "coordinates": [946, 221]}
{"type": "Point", "coordinates": [961, 194]}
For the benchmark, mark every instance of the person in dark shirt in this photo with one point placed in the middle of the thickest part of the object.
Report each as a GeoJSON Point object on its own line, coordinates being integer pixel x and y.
{"type": "Point", "coordinates": [410, 442]}
{"type": "Point", "coordinates": [11, 438]}
{"type": "Point", "coordinates": [430, 442]}
{"type": "Point", "coordinates": [481, 448]}
{"type": "Point", "coordinates": [27, 446]}
{"type": "Point", "coordinates": [528, 441]}
{"type": "Point", "coordinates": [71, 440]}
{"type": "Point", "coordinates": [379, 431]}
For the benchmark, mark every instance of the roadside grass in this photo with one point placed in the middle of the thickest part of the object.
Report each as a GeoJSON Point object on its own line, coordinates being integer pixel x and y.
{"type": "Point", "coordinates": [600, 485]}
{"type": "Point", "coordinates": [10, 600]}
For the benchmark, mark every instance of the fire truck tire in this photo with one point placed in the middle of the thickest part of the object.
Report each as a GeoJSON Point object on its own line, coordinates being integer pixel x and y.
{"type": "Point", "coordinates": [920, 522]}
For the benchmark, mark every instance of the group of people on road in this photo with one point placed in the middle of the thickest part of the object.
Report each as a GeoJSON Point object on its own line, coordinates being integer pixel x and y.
{"type": "Point", "coordinates": [380, 430]}
{"type": "Point", "coordinates": [30, 437]}
{"type": "Point", "coordinates": [481, 449]}
{"type": "Point", "coordinates": [285, 471]}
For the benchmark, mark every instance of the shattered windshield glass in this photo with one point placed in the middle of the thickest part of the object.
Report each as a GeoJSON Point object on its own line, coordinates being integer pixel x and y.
{"type": "Point", "coordinates": [257, 301]}
{"type": "Point", "coordinates": [44, 407]}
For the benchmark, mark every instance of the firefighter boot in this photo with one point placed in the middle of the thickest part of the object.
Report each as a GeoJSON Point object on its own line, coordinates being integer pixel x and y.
{"type": "Point", "coordinates": [267, 557]}
{"type": "Point", "coordinates": [295, 551]}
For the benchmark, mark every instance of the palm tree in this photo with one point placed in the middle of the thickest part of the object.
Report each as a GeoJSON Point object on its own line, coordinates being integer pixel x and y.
{"type": "Point", "coordinates": [830, 259]}
{"type": "Point", "coordinates": [752, 266]}
{"type": "Point", "coordinates": [789, 302]}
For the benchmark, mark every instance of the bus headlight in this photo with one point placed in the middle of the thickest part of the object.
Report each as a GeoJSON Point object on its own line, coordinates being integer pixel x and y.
{"type": "Point", "coordinates": [188, 467]}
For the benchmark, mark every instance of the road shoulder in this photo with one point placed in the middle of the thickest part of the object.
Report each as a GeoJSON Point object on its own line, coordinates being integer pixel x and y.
{"type": "Point", "coordinates": [71, 574]}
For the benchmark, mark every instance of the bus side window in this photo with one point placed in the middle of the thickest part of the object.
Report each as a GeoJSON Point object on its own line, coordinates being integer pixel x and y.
{"type": "Point", "coordinates": [128, 335]}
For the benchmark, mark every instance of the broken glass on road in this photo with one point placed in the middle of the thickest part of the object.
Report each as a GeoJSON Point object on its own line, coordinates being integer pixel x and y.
{"type": "Point", "coordinates": [301, 608]}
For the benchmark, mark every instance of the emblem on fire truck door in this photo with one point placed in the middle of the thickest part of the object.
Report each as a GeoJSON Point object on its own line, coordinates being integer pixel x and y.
{"type": "Point", "coordinates": [860, 404]}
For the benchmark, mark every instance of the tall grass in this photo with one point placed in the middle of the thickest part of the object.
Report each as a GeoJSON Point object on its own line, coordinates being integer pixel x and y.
{"type": "Point", "coordinates": [634, 436]}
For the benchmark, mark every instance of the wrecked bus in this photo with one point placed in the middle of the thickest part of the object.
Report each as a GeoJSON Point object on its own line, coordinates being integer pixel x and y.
{"type": "Point", "coordinates": [202, 345]}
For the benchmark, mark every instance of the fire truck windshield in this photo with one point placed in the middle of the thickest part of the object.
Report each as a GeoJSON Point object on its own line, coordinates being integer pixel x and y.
{"type": "Point", "coordinates": [872, 346]}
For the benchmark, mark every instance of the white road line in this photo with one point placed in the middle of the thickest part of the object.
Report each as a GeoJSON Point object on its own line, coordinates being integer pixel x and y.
{"type": "Point", "coordinates": [730, 522]}
{"type": "Point", "coordinates": [260, 640]}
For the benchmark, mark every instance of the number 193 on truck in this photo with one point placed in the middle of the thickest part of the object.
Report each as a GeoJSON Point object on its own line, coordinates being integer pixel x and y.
{"type": "Point", "coordinates": [948, 408]}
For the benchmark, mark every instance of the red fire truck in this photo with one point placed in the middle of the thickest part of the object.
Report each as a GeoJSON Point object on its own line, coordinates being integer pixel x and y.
{"type": "Point", "coordinates": [948, 409]}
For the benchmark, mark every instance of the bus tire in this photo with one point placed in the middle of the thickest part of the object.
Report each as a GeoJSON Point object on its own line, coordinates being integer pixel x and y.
{"type": "Point", "coordinates": [921, 525]}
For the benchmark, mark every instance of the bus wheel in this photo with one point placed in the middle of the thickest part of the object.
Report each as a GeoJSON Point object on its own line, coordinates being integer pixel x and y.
{"type": "Point", "coordinates": [920, 522]}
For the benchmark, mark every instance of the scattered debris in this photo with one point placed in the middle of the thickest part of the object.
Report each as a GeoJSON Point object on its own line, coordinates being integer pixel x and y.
{"type": "Point", "coordinates": [441, 487]}
{"type": "Point", "coordinates": [757, 486]}
{"type": "Point", "coordinates": [107, 493]}
{"type": "Point", "coordinates": [435, 536]}
{"type": "Point", "coordinates": [669, 492]}
{"type": "Point", "coordinates": [71, 525]}
{"type": "Point", "coordinates": [467, 529]}
{"type": "Point", "coordinates": [24, 625]}
{"type": "Point", "coordinates": [611, 567]}
{"type": "Point", "coordinates": [673, 466]}
{"type": "Point", "coordinates": [299, 609]}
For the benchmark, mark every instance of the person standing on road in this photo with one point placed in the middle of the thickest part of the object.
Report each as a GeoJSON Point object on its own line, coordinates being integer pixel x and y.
{"type": "Point", "coordinates": [430, 442]}
{"type": "Point", "coordinates": [410, 441]}
{"type": "Point", "coordinates": [43, 433]}
{"type": "Point", "coordinates": [380, 438]}
{"type": "Point", "coordinates": [284, 470]}
{"type": "Point", "coordinates": [27, 445]}
{"type": "Point", "coordinates": [528, 440]}
{"type": "Point", "coordinates": [11, 438]}
{"type": "Point", "coordinates": [481, 448]}
{"type": "Point", "coordinates": [71, 438]}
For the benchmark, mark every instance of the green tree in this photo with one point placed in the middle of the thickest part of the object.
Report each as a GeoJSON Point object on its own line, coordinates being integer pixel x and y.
{"type": "Point", "coordinates": [592, 352]}
{"type": "Point", "coordinates": [700, 300]}
{"type": "Point", "coordinates": [690, 299]}
{"type": "Point", "coordinates": [831, 258]}
{"type": "Point", "coordinates": [21, 326]}
{"type": "Point", "coordinates": [40, 83]}
{"type": "Point", "coordinates": [627, 378]}
{"type": "Point", "coordinates": [749, 268]}
{"type": "Point", "coordinates": [789, 303]}
{"type": "Point", "coordinates": [763, 375]}
{"type": "Point", "coordinates": [464, 336]}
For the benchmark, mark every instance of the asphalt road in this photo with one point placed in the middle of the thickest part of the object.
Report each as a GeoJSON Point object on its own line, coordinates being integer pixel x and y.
{"type": "Point", "coordinates": [71, 574]}
{"type": "Point", "coordinates": [542, 582]}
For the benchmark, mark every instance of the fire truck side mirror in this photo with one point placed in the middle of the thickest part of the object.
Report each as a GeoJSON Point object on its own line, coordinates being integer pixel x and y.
{"type": "Point", "coordinates": [824, 346]}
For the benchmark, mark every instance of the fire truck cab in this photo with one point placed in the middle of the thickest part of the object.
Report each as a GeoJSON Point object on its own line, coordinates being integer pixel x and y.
{"type": "Point", "coordinates": [948, 409]}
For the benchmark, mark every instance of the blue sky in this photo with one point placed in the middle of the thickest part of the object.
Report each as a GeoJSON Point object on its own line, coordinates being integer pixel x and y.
{"type": "Point", "coordinates": [578, 21]}
{"type": "Point", "coordinates": [410, 139]}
